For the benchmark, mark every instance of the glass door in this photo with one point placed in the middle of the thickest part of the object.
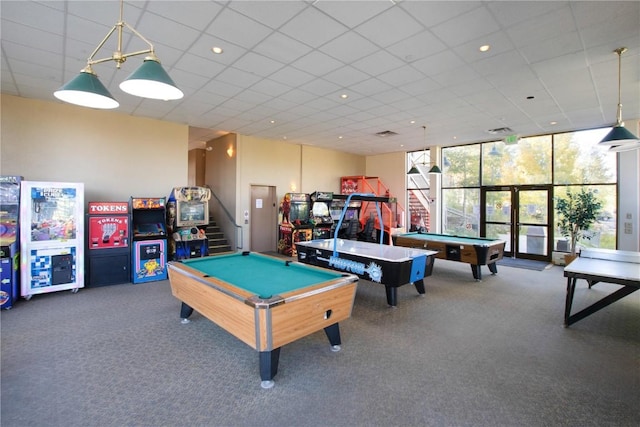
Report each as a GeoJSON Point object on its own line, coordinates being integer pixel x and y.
{"type": "Point", "coordinates": [520, 215]}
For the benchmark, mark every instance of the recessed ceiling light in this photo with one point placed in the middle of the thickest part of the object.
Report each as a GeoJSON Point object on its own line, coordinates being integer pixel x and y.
{"type": "Point", "coordinates": [344, 96]}
{"type": "Point", "coordinates": [485, 48]}
{"type": "Point", "coordinates": [272, 121]}
{"type": "Point", "coordinates": [412, 122]}
{"type": "Point", "coordinates": [553, 123]}
{"type": "Point", "coordinates": [217, 50]}
{"type": "Point", "coordinates": [340, 137]}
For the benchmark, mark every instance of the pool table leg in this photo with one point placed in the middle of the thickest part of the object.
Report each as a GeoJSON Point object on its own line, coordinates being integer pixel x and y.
{"type": "Point", "coordinates": [477, 272]}
{"type": "Point", "coordinates": [493, 268]}
{"type": "Point", "coordinates": [185, 312]}
{"type": "Point", "coordinates": [269, 366]}
{"type": "Point", "coordinates": [333, 333]}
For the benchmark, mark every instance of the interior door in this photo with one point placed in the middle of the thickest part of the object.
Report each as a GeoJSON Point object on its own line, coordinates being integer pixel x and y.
{"type": "Point", "coordinates": [263, 218]}
{"type": "Point", "coordinates": [520, 215]}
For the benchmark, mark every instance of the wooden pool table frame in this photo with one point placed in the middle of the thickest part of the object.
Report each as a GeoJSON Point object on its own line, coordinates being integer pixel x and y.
{"type": "Point", "coordinates": [265, 324]}
{"type": "Point", "coordinates": [455, 248]}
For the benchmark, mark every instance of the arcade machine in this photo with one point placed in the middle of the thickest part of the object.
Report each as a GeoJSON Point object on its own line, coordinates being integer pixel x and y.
{"type": "Point", "coordinates": [350, 224]}
{"type": "Point", "coordinates": [321, 215]}
{"type": "Point", "coordinates": [51, 237]}
{"type": "Point", "coordinates": [296, 223]}
{"type": "Point", "coordinates": [149, 239]}
{"type": "Point", "coordinates": [109, 254]}
{"type": "Point", "coordinates": [188, 209]}
{"type": "Point", "coordinates": [9, 240]}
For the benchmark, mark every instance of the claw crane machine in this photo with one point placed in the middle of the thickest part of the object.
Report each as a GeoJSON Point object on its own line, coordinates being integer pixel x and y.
{"type": "Point", "coordinates": [51, 237]}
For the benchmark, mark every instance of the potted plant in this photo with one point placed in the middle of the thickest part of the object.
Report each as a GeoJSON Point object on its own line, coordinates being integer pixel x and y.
{"type": "Point", "coordinates": [576, 214]}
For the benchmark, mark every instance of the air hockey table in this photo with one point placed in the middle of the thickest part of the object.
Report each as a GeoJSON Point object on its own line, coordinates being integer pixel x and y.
{"type": "Point", "coordinates": [392, 266]}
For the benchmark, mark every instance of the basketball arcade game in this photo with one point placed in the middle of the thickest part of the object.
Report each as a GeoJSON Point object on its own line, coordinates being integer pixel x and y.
{"type": "Point", "coordinates": [51, 237]}
{"type": "Point", "coordinates": [9, 240]}
{"type": "Point", "coordinates": [188, 208]}
{"type": "Point", "coordinates": [149, 239]}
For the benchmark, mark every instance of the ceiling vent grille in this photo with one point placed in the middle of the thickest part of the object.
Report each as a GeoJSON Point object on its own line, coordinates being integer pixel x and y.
{"type": "Point", "coordinates": [386, 133]}
{"type": "Point", "coordinates": [500, 131]}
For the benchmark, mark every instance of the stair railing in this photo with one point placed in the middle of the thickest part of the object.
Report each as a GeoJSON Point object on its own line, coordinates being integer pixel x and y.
{"type": "Point", "coordinates": [238, 236]}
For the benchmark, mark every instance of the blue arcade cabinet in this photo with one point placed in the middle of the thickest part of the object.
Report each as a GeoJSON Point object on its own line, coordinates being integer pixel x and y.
{"type": "Point", "coordinates": [149, 239]}
{"type": "Point", "coordinates": [9, 240]}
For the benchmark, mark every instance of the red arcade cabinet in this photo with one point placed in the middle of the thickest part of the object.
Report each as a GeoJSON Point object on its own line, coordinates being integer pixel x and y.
{"type": "Point", "coordinates": [109, 254]}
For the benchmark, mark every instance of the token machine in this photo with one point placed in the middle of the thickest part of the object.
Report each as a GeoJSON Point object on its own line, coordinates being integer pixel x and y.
{"type": "Point", "coordinates": [9, 239]}
{"type": "Point", "coordinates": [108, 251]}
{"type": "Point", "coordinates": [149, 239]}
{"type": "Point", "coordinates": [187, 215]}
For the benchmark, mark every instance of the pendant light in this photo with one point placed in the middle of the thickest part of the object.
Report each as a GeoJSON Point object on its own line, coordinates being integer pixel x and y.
{"type": "Point", "coordinates": [619, 138]}
{"type": "Point", "coordinates": [150, 80]}
{"type": "Point", "coordinates": [434, 169]}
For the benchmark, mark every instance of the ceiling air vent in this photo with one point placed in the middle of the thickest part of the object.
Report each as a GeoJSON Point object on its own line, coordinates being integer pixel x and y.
{"type": "Point", "coordinates": [386, 133]}
{"type": "Point", "coordinates": [500, 131]}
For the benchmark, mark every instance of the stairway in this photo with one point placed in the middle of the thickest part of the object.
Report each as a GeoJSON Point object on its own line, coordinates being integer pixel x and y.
{"type": "Point", "coordinates": [217, 242]}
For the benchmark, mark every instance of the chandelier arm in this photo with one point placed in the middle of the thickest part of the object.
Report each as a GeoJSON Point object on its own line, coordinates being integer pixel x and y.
{"type": "Point", "coordinates": [619, 115]}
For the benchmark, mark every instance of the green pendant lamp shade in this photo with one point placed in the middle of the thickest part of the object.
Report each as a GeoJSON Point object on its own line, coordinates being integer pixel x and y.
{"type": "Point", "coordinates": [620, 139]}
{"type": "Point", "coordinates": [87, 91]}
{"type": "Point", "coordinates": [413, 171]}
{"type": "Point", "coordinates": [435, 170]}
{"type": "Point", "coordinates": [151, 81]}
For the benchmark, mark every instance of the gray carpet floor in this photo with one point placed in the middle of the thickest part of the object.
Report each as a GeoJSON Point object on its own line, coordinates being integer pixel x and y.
{"type": "Point", "coordinates": [490, 353]}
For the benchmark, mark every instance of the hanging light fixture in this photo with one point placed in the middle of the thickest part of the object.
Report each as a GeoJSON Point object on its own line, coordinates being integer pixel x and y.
{"type": "Point", "coordinates": [494, 151]}
{"type": "Point", "coordinates": [619, 138]}
{"type": "Point", "coordinates": [414, 170]}
{"type": "Point", "coordinates": [150, 80]}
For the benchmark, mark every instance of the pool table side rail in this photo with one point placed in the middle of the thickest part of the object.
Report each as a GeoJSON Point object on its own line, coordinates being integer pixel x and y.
{"type": "Point", "coordinates": [467, 253]}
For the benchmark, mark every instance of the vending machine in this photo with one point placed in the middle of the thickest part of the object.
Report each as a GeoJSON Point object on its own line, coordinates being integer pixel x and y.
{"type": "Point", "coordinates": [9, 240]}
{"type": "Point", "coordinates": [149, 239]}
{"type": "Point", "coordinates": [51, 237]}
{"type": "Point", "coordinates": [108, 254]}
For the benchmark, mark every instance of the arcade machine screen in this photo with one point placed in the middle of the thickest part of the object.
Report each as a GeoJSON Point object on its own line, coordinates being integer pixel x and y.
{"type": "Point", "coordinates": [299, 212]}
{"type": "Point", "coordinates": [192, 213]}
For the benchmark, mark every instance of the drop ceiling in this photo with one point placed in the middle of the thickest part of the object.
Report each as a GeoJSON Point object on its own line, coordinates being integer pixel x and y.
{"type": "Point", "coordinates": [401, 64]}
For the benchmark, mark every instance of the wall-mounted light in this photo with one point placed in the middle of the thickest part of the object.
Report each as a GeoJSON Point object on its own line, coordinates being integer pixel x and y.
{"type": "Point", "coordinates": [150, 80]}
{"type": "Point", "coordinates": [230, 151]}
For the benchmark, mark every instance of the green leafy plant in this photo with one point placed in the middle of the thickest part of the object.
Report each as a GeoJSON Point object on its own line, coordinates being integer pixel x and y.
{"type": "Point", "coordinates": [577, 212]}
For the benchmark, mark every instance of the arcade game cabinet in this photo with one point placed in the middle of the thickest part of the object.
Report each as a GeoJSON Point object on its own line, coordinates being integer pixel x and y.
{"type": "Point", "coordinates": [296, 223]}
{"type": "Point", "coordinates": [9, 240]}
{"type": "Point", "coordinates": [108, 253]}
{"type": "Point", "coordinates": [188, 209]}
{"type": "Point", "coordinates": [149, 239]}
{"type": "Point", "coordinates": [321, 215]}
{"type": "Point", "coordinates": [51, 237]}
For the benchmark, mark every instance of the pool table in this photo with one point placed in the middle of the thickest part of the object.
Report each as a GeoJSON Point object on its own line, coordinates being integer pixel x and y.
{"type": "Point", "coordinates": [476, 251]}
{"type": "Point", "coordinates": [264, 301]}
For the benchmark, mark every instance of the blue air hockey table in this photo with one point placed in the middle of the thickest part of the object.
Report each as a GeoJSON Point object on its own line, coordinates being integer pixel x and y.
{"type": "Point", "coordinates": [392, 266]}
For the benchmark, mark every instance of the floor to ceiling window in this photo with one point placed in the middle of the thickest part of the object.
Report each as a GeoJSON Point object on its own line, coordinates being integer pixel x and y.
{"type": "Point", "coordinates": [507, 191]}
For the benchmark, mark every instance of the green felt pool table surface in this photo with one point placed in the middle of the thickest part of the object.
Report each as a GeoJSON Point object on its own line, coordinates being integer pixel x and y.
{"type": "Point", "coordinates": [263, 275]}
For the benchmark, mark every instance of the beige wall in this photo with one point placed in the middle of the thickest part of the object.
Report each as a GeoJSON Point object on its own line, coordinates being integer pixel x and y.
{"type": "Point", "coordinates": [288, 167]}
{"type": "Point", "coordinates": [116, 156]}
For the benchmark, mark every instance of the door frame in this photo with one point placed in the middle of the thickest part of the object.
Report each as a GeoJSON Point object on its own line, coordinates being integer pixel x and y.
{"type": "Point", "coordinates": [514, 224]}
